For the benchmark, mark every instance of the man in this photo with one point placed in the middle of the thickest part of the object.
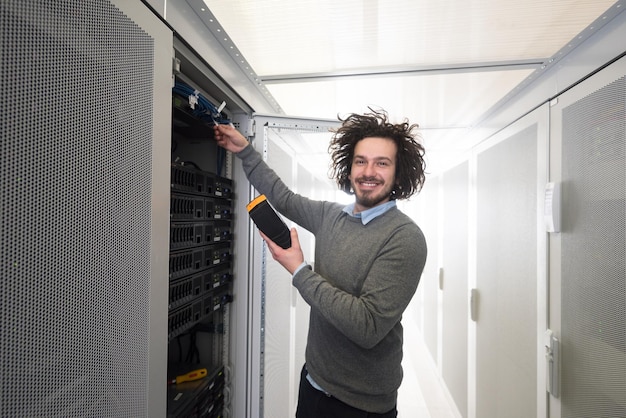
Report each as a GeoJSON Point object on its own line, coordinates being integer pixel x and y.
{"type": "Point", "coordinates": [369, 257]}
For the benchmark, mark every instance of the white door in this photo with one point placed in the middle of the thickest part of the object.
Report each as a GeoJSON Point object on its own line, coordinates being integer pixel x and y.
{"type": "Point", "coordinates": [588, 280]}
{"type": "Point", "coordinates": [508, 299]}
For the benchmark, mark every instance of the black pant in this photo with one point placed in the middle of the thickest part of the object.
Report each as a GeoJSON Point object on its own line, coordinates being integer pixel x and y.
{"type": "Point", "coordinates": [313, 403]}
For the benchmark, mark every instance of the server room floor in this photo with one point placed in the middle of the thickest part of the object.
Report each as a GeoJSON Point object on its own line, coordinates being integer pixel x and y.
{"type": "Point", "coordinates": [422, 394]}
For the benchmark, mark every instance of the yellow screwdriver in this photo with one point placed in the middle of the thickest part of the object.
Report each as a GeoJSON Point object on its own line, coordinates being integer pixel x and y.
{"type": "Point", "coordinates": [188, 377]}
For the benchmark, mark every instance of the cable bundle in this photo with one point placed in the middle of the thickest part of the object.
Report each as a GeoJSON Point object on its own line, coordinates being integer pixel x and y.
{"type": "Point", "coordinates": [200, 106]}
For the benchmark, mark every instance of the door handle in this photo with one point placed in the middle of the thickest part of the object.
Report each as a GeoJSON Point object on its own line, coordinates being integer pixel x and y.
{"type": "Point", "coordinates": [552, 362]}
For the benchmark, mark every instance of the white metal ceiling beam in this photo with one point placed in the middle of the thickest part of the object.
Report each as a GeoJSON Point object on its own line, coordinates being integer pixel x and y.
{"type": "Point", "coordinates": [531, 64]}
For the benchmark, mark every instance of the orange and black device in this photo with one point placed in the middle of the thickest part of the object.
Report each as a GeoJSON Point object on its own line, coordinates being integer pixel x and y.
{"type": "Point", "coordinates": [268, 221]}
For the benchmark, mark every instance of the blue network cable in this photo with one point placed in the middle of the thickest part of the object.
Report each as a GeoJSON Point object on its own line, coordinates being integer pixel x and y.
{"type": "Point", "coordinates": [203, 110]}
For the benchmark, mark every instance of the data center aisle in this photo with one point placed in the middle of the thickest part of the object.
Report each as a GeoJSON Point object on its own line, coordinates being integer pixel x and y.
{"type": "Point", "coordinates": [422, 394]}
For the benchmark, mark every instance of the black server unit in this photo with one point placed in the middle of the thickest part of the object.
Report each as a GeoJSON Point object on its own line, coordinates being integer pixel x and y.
{"type": "Point", "coordinates": [200, 261]}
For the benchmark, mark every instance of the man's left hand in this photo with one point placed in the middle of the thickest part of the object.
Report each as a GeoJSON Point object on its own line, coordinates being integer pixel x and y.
{"type": "Point", "coordinates": [289, 258]}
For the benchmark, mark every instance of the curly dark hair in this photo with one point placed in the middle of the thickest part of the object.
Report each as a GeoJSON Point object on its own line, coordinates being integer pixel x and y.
{"type": "Point", "coordinates": [410, 164]}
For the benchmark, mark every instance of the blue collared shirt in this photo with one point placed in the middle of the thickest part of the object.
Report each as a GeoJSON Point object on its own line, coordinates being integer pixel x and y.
{"type": "Point", "coordinates": [371, 213]}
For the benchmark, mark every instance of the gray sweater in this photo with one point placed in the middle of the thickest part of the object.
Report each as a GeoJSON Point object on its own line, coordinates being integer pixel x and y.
{"type": "Point", "coordinates": [364, 278]}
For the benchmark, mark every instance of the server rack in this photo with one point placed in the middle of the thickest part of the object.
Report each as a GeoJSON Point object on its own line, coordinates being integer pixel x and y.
{"type": "Point", "coordinates": [201, 257]}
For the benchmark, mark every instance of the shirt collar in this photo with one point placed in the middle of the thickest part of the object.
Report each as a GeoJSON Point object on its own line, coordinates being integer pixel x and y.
{"type": "Point", "coordinates": [368, 215]}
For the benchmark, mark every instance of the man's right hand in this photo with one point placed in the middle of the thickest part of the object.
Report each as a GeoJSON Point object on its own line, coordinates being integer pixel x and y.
{"type": "Point", "coordinates": [230, 138]}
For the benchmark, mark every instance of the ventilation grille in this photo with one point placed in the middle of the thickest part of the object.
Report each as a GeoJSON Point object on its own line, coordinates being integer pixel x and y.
{"type": "Point", "coordinates": [506, 277]}
{"type": "Point", "coordinates": [593, 254]}
{"type": "Point", "coordinates": [76, 129]}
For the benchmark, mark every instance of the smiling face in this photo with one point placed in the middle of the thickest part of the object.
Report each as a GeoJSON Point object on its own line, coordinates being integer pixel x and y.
{"type": "Point", "coordinates": [373, 172]}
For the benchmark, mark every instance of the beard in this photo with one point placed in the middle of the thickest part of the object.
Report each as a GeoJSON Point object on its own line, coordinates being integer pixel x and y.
{"type": "Point", "coordinates": [369, 198]}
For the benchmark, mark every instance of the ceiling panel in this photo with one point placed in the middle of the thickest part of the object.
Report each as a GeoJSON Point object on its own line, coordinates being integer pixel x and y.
{"type": "Point", "coordinates": [309, 36]}
{"type": "Point", "coordinates": [441, 64]}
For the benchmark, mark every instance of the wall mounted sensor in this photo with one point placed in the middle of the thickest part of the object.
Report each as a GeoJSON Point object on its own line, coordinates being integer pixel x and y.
{"type": "Point", "coordinates": [268, 221]}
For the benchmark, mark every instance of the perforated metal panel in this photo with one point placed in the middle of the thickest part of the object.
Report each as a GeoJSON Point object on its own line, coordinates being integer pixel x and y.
{"type": "Point", "coordinates": [506, 277]}
{"type": "Point", "coordinates": [593, 253]}
{"type": "Point", "coordinates": [455, 302]}
{"type": "Point", "coordinates": [429, 284]}
{"type": "Point", "coordinates": [76, 128]}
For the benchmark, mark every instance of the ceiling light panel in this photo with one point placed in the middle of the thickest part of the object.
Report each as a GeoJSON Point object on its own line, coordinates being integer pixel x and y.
{"type": "Point", "coordinates": [304, 36]}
